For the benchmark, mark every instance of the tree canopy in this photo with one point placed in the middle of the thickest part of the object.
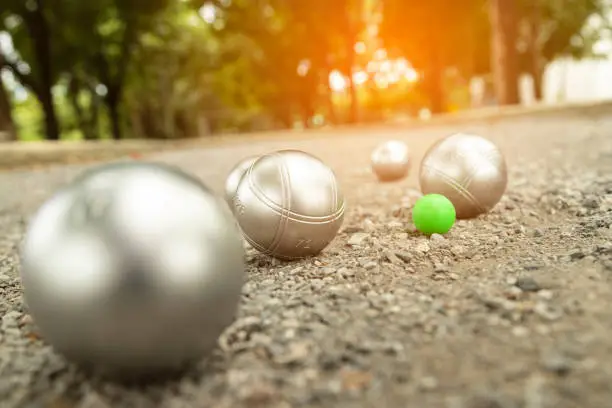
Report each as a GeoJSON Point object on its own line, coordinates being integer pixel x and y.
{"type": "Point", "coordinates": [185, 68]}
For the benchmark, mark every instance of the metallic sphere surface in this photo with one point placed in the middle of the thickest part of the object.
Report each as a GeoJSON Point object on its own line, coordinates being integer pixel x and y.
{"type": "Point", "coordinates": [133, 269]}
{"type": "Point", "coordinates": [469, 170]}
{"type": "Point", "coordinates": [391, 161]}
{"type": "Point", "coordinates": [234, 176]}
{"type": "Point", "coordinates": [289, 205]}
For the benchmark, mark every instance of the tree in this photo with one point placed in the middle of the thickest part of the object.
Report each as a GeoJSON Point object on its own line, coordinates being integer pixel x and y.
{"type": "Point", "coordinates": [169, 88]}
{"type": "Point", "coordinates": [290, 50]}
{"type": "Point", "coordinates": [105, 35]}
{"type": "Point", "coordinates": [35, 67]}
{"type": "Point", "coordinates": [504, 21]}
{"type": "Point", "coordinates": [435, 35]}
{"type": "Point", "coordinates": [7, 126]}
{"type": "Point", "coordinates": [555, 28]}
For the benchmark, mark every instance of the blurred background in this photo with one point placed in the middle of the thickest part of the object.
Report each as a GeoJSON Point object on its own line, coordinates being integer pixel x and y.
{"type": "Point", "coordinates": [171, 69]}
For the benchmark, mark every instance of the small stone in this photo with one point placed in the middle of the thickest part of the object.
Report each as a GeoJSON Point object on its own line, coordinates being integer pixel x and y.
{"type": "Point", "coordinates": [296, 353]}
{"type": "Point", "coordinates": [557, 364]}
{"type": "Point", "coordinates": [351, 229]}
{"type": "Point", "coordinates": [422, 247]}
{"type": "Point", "coordinates": [346, 272]}
{"type": "Point", "coordinates": [546, 294]}
{"type": "Point", "coordinates": [358, 238]}
{"type": "Point", "coordinates": [428, 383]}
{"type": "Point", "coordinates": [441, 268]}
{"type": "Point", "coordinates": [355, 380]}
{"type": "Point", "coordinates": [457, 250]}
{"type": "Point", "coordinates": [527, 284]}
{"type": "Point", "coordinates": [437, 238]}
{"type": "Point", "coordinates": [401, 236]}
{"type": "Point", "coordinates": [395, 225]}
{"type": "Point", "coordinates": [404, 256]}
{"type": "Point", "coordinates": [546, 312]}
{"type": "Point", "coordinates": [368, 225]}
{"type": "Point", "coordinates": [391, 257]}
{"type": "Point", "coordinates": [520, 331]}
{"type": "Point", "coordinates": [296, 271]}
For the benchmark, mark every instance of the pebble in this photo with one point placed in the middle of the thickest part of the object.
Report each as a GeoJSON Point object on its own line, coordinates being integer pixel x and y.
{"type": "Point", "coordinates": [358, 238]}
{"type": "Point", "coordinates": [527, 284]}
{"type": "Point", "coordinates": [437, 238]}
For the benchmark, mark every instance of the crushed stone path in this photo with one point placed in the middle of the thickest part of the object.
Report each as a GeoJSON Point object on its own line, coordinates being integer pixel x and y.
{"type": "Point", "coordinates": [510, 310]}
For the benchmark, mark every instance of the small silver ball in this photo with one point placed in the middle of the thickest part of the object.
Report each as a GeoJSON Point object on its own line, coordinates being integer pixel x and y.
{"type": "Point", "coordinates": [133, 269]}
{"type": "Point", "coordinates": [289, 205]}
{"type": "Point", "coordinates": [234, 176]}
{"type": "Point", "coordinates": [391, 161]}
{"type": "Point", "coordinates": [469, 170]}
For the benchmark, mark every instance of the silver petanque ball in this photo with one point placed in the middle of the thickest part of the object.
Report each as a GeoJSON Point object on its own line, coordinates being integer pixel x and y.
{"type": "Point", "coordinates": [289, 205]}
{"type": "Point", "coordinates": [234, 176]}
{"type": "Point", "coordinates": [133, 269]}
{"type": "Point", "coordinates": [391, 161]}
{"type": "Point", "coordinates": [469, 170]}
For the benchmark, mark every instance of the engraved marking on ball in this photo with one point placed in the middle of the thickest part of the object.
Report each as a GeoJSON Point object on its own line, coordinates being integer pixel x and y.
{"type": "Point", "coordinates": [285, 188]}
{"type": "Point", "coordinates": [458, 188]}
{"type": "Point", "coordinates": [304, 243]}
{"type": "Point", "coordinates": [291, 215]}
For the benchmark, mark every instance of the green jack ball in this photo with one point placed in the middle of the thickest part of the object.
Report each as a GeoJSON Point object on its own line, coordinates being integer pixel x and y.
{"type": "Point", "coordinates": [433, 214]}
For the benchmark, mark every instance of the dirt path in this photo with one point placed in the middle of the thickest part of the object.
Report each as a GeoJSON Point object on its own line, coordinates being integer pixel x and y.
{"type": "Point", "coordinates": [513, 309]}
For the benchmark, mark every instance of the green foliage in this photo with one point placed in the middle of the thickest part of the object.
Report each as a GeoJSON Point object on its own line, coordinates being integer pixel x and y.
{"type": "Point", "coordinates": [563, 27]}
{"type": "Point", "coordinates": [28, 117]}
{"type": "Point", "coordinates": [156, 69]}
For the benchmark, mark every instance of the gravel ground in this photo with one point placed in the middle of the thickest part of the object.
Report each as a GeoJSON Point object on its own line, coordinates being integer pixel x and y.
{"type": "Point", "coordinates": [510, 310]}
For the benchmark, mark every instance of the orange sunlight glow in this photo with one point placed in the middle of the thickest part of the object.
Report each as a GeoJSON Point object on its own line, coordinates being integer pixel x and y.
{"type": "Point", "coordinates": [381, 70]}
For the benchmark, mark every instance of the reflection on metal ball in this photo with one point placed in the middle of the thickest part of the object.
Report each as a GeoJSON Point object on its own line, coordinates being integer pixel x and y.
{"type": "Point", "coordinates": [133, 269]}
{"type": "Point", "coordinates": [234, 176]}
{"type": "Point", "coordinates": [391, 161]}
{"type": "Point", "coordinates": [469, 170]}
{"type": "Point", "coordinates": [289, 205]}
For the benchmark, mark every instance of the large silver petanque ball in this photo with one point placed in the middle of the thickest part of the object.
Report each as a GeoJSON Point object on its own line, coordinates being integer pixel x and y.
{"type": "Point", "coordinates": [391, 161]}
{"type": "Point", "coordinates": [133, 269]}
{"type": "Point", "coordinates": [469, 170]}
{"type": "Point", "coordinates": [234, 176]}
{"type": "Point", "coordinates": [289, 205]}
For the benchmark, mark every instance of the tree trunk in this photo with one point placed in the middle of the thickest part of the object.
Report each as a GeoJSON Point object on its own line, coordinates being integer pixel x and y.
{"type": "Point", "coordinates": [536, 63]}
{"type": "Point", "coordinates": [503, 15]}
{"type": "Point", "coordinates": [537, 74]}
{"type": "Point", "coordinates": [354, 103]}
{"type": "Point", "coordinates": [38, 28]}
{"type": "Point", "coordinates": [112, 104]}
{"type": "Point", "coordinates": [332, 117]}
{"type": "Point", "coordinates": [353, 116]}
{"type": "Point", "coordinates": [7, 126]}
{"type": "Point", "coordinates": [434, 79]}
{"type": "Point", "coordinates": [436, 95]}
{"type": "Point", "coordinates": [51, 124]}
{"type": "Point", "coordinates": [87, 124]}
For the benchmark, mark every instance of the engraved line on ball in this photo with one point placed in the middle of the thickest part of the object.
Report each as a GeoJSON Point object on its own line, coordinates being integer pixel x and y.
{"type": "Point", "coordinates": [462, 191]}
{"type": "Point", "coordinates": [489, 157]}
{"type": "Point", "coordinates": [261, 249]}
{"type": "Point", "coordinates": [285, 185]}
{"type": "Point", "coordinates": [334, 190]}
{"type": "Point", "coordinates": [307, 219]}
